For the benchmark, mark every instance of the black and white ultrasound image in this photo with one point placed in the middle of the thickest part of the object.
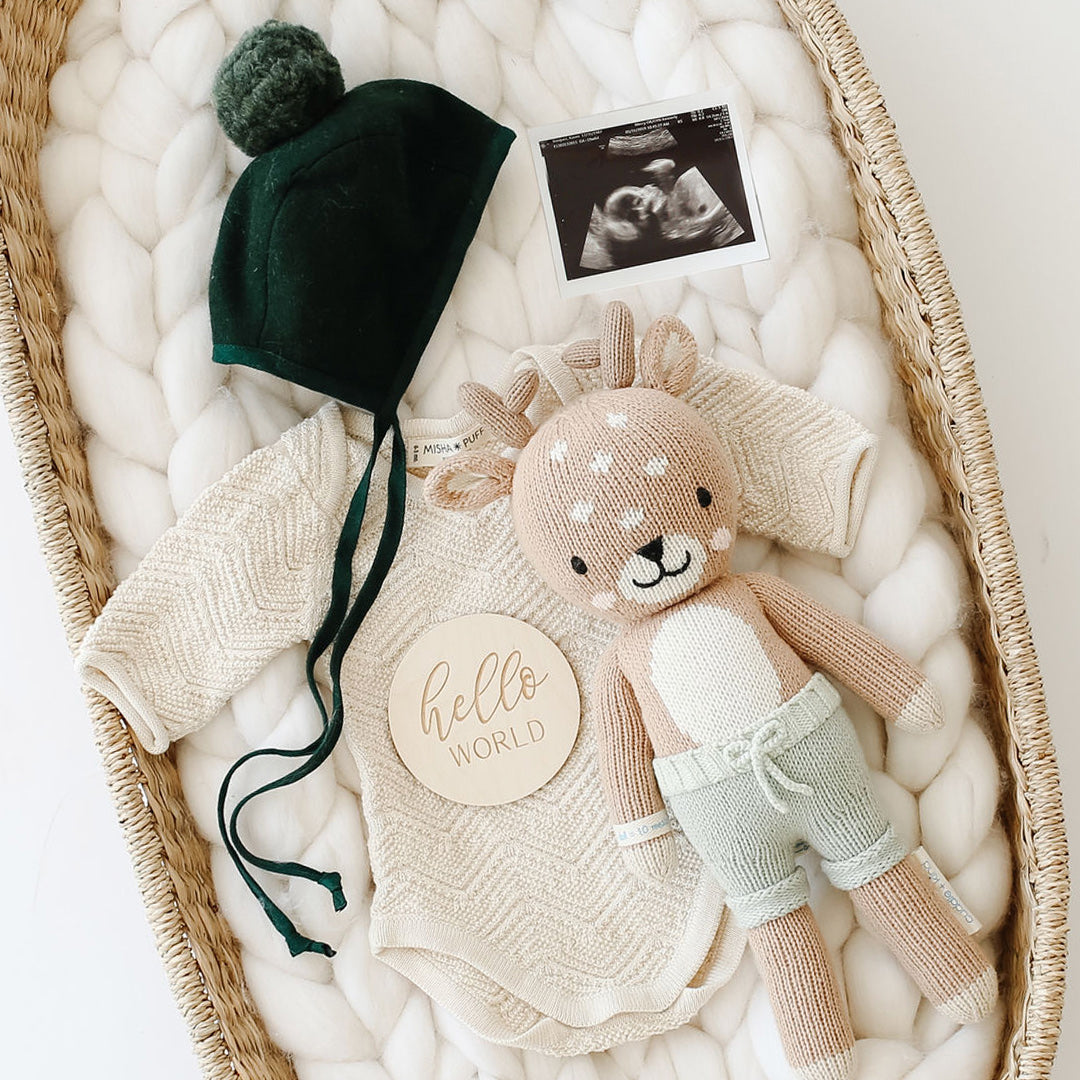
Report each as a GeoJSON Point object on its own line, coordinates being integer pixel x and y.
{"type": "Point", "coordinates": [646, 192]}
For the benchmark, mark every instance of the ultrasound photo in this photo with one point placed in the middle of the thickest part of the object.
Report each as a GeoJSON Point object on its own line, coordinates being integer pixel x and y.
{"type": "Point", "coordinates": [646, 196]}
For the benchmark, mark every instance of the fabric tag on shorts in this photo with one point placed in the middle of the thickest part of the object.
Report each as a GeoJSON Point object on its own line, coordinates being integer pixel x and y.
{"type": "Point", "coordinates": [941, 883]}
{"type": "Point", "coordinates": [426, 451]}
{"type": "Point", "coordinates": [484, 709]}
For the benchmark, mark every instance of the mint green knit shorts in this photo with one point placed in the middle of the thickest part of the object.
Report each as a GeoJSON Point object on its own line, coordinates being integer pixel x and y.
{"type": "Point", "coordinates": [798, 775]}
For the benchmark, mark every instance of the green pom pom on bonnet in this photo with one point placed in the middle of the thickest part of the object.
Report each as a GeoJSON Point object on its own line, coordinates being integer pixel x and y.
{"type": "Point", "coordinates": [280, 80]}
{"type": "Point", "coordinates": [338, 248]}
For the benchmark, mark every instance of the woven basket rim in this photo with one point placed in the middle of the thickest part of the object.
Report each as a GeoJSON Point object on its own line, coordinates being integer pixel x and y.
{"type": "Point", "coordinates": [949, 419]}
{"type": "Point", "coordinates": [934, 359]}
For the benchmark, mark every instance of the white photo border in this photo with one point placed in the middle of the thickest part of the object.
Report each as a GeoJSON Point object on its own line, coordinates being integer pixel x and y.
{"type": "Point", "coordinates": [756, 250]}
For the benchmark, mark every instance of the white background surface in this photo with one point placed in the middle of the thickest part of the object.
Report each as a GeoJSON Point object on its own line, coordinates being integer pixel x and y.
{"type": "Point", "coordinates": [985, 95]}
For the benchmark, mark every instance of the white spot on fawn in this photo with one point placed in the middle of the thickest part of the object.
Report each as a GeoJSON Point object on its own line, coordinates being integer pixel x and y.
{"type": "Point", "coordinates": [632, 518]}
{"type": "Point", "coordinates": [604, 600]}
{"type": "Point", "coordinates": [721, 539]}
{"type": "Point", "coordinates": [656, 466]}
{"type": "Point", "coordinates": [601, 462]}
{"type": "Point", "coordinates": [558, 450]}
{"type": "Point", "coordinates": [618, 419]}
{"type": "Point", "coordinates": [581, 510]}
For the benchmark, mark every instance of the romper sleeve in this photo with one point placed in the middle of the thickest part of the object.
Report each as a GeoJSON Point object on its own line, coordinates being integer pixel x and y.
{"type": "Point", "coordinates": [804, 466]}
{"type": "Point", "coordinates": [241, 576]}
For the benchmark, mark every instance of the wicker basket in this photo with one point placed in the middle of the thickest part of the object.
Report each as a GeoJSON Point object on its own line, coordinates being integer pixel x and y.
{"type": "Point", "coordinates": [947, 415]}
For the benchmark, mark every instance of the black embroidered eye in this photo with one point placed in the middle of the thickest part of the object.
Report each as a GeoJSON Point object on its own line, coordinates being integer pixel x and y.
{"type": "Point", "coordinates": [704, 497]}
{"type": "Point", "coordinates": [579, 565]}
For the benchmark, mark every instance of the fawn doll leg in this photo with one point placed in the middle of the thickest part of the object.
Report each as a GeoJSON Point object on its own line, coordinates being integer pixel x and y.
{"type": "Point", "coordinates": [862, 855]}
{"type": "Point", "coordinates": [912, 918]}
{"type": "Point", "coordinates": [749, 845]}
{"type": "Point", "coordinates": [810, 1013]}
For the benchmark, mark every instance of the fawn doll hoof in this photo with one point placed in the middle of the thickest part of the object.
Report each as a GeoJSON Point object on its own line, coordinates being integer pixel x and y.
{"type": "Point", "coordinates": [975, 1001]}
{"type": "Point", "coordinates": [923, 711]}
{"type": "Point", "coordinates": [837, 1067]}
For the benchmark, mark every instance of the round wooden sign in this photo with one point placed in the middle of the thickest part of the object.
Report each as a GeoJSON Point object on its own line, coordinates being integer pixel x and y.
{"type": "Point", "coordinates": [484, 709]}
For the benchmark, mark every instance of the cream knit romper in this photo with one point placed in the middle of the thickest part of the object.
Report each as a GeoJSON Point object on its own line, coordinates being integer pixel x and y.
{"type": "Point", "coordinates": [547, 945]}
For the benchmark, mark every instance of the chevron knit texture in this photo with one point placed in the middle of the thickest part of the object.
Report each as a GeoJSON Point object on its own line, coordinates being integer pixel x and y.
{"type": "Point", "coordinates": [134, 173]}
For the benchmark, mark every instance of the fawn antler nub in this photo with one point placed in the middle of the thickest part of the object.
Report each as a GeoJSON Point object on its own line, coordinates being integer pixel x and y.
{"type": "Point", "coordinates": [668, 356]}
{"type": "Point", "coordinates": [617, 346]}
{"type": "Point", "coordinates": [504, 416]}
{"type": "Point", "coordinates": [612, 352]}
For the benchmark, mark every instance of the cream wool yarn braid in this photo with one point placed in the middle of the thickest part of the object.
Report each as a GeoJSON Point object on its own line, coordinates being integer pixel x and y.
{"type": "Point", "coordinates": [132, 172]}
{"type": "Point", "coordinates": [627, 503]}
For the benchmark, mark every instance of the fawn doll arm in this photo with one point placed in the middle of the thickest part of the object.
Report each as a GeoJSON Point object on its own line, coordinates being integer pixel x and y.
{"type": "Point", "coordinates": [626, 772]}
{"type": "Point", "coordinates": [895, 689]}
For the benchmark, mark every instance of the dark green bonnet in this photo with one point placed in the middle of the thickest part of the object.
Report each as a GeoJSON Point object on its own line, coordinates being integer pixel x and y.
{"type": "Point", "coordinates": [341, 242]}
{"type": "Point", "coordinates": [337, 252]}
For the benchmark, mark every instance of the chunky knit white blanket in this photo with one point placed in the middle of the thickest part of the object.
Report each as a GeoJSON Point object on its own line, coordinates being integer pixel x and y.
{"type": "Point", "coordinates": [134, 174]}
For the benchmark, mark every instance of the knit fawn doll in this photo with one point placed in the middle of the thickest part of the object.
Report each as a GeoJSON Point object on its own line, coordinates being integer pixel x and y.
{"type": "Point", "coordinates": [626, 502]}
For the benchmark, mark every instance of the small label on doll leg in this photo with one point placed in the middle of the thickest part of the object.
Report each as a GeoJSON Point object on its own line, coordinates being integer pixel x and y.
{"type": "Point", "coordinates": [943, 886]}
{"type": "Point", "coordinates": [642, 829]}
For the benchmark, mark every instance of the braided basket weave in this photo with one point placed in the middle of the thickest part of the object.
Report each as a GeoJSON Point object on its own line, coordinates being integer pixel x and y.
{"type": "Point", "coordinates": [947, 416]}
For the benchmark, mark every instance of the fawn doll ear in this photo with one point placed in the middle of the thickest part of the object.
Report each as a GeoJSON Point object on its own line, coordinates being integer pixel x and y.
{"type": "Point", "coordinates": [472, 479]}
{"type": "Point", "coordinates": [469, 480]}
{"type": "Point", "coordinates": [669, 355]}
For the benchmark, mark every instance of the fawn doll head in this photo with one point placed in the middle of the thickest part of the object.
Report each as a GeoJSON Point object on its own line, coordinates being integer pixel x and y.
{"type": "Point", "coordinates": [626, 500]}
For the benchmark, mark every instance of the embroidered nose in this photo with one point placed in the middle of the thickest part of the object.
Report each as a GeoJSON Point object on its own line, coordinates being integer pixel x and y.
{"type": "Point", "coordinates": [653, 550]}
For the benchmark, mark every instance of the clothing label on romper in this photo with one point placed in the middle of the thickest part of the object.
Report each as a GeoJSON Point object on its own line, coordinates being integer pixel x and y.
{"type": "Point", "coordinates": [426, 451]}
{"type": "Point", "coordinates": [484, 709]}
{"type": "Point", "coordinates": [941, 883]}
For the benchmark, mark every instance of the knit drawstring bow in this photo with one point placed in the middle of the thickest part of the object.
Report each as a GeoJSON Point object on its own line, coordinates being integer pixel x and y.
{"type": "Point", "coordinates": [756, 753]}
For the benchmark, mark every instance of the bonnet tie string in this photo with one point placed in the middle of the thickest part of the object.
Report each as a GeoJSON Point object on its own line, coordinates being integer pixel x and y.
{"type": "Point", "coordinates": [336, 632]}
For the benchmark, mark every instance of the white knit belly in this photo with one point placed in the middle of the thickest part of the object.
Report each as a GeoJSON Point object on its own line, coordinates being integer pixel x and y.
{"type": "Point", "coordinates": [711, 673]}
